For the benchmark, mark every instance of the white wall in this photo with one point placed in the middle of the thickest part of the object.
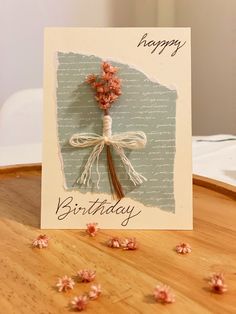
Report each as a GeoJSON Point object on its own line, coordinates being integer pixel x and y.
{"type": "Point", "coordinates": [21, 33]}
{"type": "Point", "coordinates": [213, 25]}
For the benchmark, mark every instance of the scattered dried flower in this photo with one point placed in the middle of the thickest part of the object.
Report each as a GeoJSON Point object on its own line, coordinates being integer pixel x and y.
{"type": "Point", "coordinates": [41, 241]}
{"type": "Point", "coordinates": [114, 242]}
{"type": "Point", "coordinates": [92, 229]}
{"type": "Point", "coordinates": [86, 275]}
{"type": "Point", "coordinates": [217, 283]}
{"type": "Point", "coordinates": [183, 248]}
{"type": "Point", "coordinates": [65, 283]}
{"type": "Point", "coordinates": [129, 244]}
{"type": "Point", "coordinates": [163, 294]}
{"type": "Point", "coordinates": [95, 292]}
{"type": "Point", "coordinates": [80, 302]}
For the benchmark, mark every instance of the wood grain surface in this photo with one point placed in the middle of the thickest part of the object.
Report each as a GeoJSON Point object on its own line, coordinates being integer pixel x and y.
{"type": "Point", "coordinates": [28, 275]}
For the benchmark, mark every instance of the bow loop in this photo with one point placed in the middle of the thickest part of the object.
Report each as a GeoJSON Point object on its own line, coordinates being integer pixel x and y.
{"type": "Point", "coordinates": [85, 139]}
{"type": "Point", "coordinates": [130, 140]}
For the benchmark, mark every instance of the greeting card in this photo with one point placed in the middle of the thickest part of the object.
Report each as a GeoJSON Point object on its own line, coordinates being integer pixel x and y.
{"type": "Point", "coordinates": [117, 128]}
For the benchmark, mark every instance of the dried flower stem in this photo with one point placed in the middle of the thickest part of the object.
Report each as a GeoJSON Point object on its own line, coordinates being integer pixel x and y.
{"type": "Point", "coordinates": [112, 172]}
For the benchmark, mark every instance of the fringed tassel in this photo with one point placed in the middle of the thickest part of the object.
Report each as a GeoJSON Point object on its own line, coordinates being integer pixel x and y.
{"type": "Point", "coordinates": [130, 140]}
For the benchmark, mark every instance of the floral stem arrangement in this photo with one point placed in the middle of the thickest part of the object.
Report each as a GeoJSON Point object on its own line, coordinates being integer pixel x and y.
{"type": "Point", "coordinates": [107, 90]}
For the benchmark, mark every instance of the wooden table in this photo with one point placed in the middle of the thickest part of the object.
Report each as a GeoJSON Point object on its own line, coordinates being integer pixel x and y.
{"type": "Point", "coordinates": [28, 275]}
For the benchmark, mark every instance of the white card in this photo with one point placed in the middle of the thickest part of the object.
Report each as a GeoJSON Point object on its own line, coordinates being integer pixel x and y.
{"type": "Point", "coordinates": [117, 128]}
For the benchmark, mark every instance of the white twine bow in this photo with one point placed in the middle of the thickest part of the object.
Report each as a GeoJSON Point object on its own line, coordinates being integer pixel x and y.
{"type": "Point", "coordinates": [130, 140]}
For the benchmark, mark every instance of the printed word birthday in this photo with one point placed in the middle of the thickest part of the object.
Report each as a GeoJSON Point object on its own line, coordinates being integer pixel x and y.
{"type": "Point", "coordinates": [160, 45]}
{"type": "Point", "coordinates": [68, 207]}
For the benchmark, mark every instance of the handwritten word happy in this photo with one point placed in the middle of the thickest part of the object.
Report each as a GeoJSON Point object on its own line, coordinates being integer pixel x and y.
{"type": "Point", "coordinates": [160, 44]}
{"type": "Point", "coordinates": [67, 207]}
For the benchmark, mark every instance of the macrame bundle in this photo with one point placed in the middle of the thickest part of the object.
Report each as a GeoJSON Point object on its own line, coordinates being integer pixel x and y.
{"type": "Point", "coordinates": [108, 89]}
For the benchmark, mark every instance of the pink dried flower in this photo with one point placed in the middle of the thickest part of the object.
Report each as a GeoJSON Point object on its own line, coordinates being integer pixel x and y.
{"type": "Point", "coordinates": [86, 275]}
{"type": "Point", "coordinates": [91, 79]}
{"type": "Point", "coordinates": [217, 283]}
{"type": "Point", "coordinates": [79, 303]}
{"type": "Point", "coordinates": [183, 248]}
{"type": "Point", "coordinates": [95, 292]}
{"type": "Point", "coordinates": [163, 294]}
{"type": "Point", "coordinates": [100, 89]}
{"type": "Point", "coordinates": [41, 241]}
{"type": "Point", "coordinates": [129, 244]}
{"type": "Point", "coordinates": [114, 242]}
{"type": "Point", "coordinates": [107, 76]}
{"type": "Point", "coordinates": [108, 68]}
{"type": "Point", "coordinates": [107, 86]}
{"type": "Point", "coordinates": [65, 283]}
{"type": "Point", "coordinates": [92, 229]}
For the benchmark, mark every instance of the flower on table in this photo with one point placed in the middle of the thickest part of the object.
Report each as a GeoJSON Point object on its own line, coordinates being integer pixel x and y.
{"type": "Point", "coordinates": [41, 241]}
{"type": "Point", "coordinates": [95, 292]}
{"type": "Point", "coordinates": [129, 244]}
{"type": "Point", "coordinates": [86, 275]}
{"type": "Point", "coordinates": [183, 248]}
{"type": "Point", "coordinates": [217, 283]}
{"type": "Point", "coordinates": [80, 302]}
{"type": "Point", "coordinates": [65, 283]}
{"type": "Point", "coordinates": [114, 242]}
{"type": "Point", "coordinates": [92, 229]}
{"type": "Point", "coordinates": [163, 294]}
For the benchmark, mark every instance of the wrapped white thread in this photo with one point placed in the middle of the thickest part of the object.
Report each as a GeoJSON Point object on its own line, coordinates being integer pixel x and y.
{"type": "Point", "coordinates": [130, 140]}
{"type": "Point", "coordinates": [107, 122]}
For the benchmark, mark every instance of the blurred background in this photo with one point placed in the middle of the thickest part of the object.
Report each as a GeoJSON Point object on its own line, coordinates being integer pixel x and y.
{"type": "Point", "coordinates": [213, 24]}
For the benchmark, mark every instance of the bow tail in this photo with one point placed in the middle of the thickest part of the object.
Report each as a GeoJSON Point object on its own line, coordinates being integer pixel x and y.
{"type": "Point", "coordinates": [134, 176]}
{"type": "Point", "coordinates": [86, 174]}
